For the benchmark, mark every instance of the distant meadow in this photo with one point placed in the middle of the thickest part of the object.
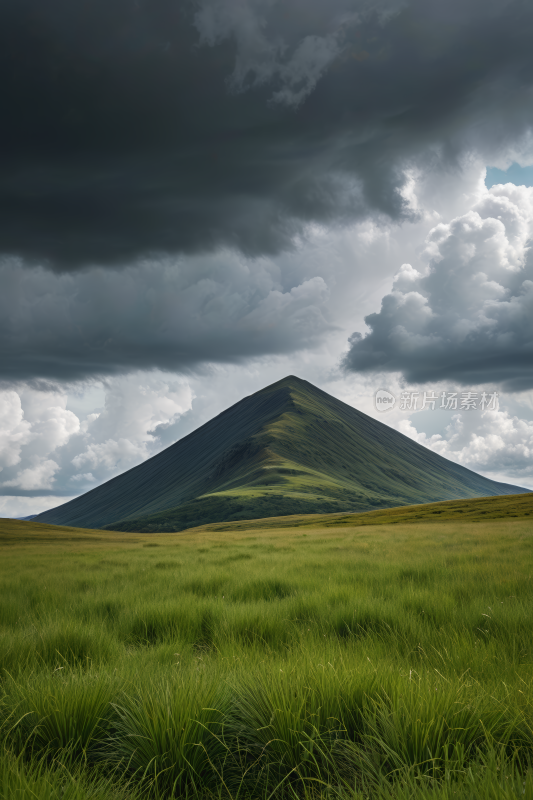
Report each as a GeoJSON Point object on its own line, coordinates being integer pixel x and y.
{"type": "Point", "coordinates": [385, 661]}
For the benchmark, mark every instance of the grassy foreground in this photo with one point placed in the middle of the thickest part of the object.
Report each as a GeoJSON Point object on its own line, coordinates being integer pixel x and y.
{"type": "Point", "coordinates": [339, 661]}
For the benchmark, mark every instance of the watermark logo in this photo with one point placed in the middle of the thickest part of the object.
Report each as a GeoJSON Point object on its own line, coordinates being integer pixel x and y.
{"type": "Point", "coordinates": [384, 400]}
{"type": "Point", "coordinates": [429, 401]}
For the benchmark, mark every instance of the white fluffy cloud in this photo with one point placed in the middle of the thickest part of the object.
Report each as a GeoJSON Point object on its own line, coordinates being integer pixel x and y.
{"type": "Point", "coordinates": [15, 431]}
{"type": "Point", "coordinates": [52, 424]}
{"type": "Point", "coordinates": [469, 316]}
{"type": "Point", "coordinates": [40, 475]}
{"type": "Point", "coordinates": [494, 443]}
{"type": "Point", "coordinates": [46, 447]}
{"type": "Point", "coordinates": [33, 425]}
{"type": "Point", "coordinates": [18, 506]}
{"type": "Point", "coordinates": [124, 433]}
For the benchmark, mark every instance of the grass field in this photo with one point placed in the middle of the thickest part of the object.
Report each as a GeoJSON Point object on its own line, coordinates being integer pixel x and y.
{"type": "Point", "coordinates": [328, 659]}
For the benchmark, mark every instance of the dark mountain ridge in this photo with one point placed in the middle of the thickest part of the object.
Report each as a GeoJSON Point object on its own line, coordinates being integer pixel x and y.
{"type": "Point", "coordinates": [289, 448]}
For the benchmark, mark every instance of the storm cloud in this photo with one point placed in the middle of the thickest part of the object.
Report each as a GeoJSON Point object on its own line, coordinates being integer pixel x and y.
{"type": "Point", "coordinates": [469, 318]}
{"type": "Point", "coordinates": [160, 127]}
{"type": "Point", "coordinates": [170, 315]}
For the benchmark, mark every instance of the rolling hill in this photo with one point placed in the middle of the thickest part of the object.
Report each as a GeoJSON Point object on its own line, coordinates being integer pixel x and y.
{"type": "Point", "coordinates": [473, 509]}
{"type": "Point", "coordinates": [288, 449]}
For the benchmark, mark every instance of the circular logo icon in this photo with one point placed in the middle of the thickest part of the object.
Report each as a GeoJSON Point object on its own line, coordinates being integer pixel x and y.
{"type": "Point", "coordinates": [384, 400]}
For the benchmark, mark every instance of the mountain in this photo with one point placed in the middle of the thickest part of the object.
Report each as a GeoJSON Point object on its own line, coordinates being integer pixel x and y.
{"type": "Point", "coordinates": [287, 449]}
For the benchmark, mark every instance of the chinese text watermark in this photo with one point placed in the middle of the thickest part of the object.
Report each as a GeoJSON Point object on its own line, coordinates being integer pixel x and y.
{"type": "Point", "coordinates": [429, 401]}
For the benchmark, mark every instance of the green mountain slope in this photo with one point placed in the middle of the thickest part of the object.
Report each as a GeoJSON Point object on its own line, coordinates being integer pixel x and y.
{"type": "Point", "coordinates": [473, 509]}
{"type": "Point", "coordinates": [288, 449]}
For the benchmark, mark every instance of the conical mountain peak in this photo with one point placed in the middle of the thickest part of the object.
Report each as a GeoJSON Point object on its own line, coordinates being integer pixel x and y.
{"type": "Point", "coordinates": [289, 448]}
{"type": "Point", "coordinates": [290, 382]}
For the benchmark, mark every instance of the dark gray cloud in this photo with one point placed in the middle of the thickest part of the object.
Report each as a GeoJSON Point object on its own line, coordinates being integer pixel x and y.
{"type": "Point", "coordinates": [470, 317]}
{"type": "Point", "coordinates": [172, 315]}
{"type": "Point", "coordinates": [161, 126]}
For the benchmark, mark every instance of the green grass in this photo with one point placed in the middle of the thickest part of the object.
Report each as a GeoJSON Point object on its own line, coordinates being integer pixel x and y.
{"type": "Point", "coordinates": [478, 509]}
{"type": "Point", "coordinates": [44, 779]}
{"type": "Point", "coordinates": [317, 661]}
{"type": "Point", "coordinates": [288, 449]}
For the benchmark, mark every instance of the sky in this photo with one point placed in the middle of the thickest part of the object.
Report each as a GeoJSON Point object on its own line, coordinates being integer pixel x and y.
{"type": "Point", "coordinates": [199, 198]}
